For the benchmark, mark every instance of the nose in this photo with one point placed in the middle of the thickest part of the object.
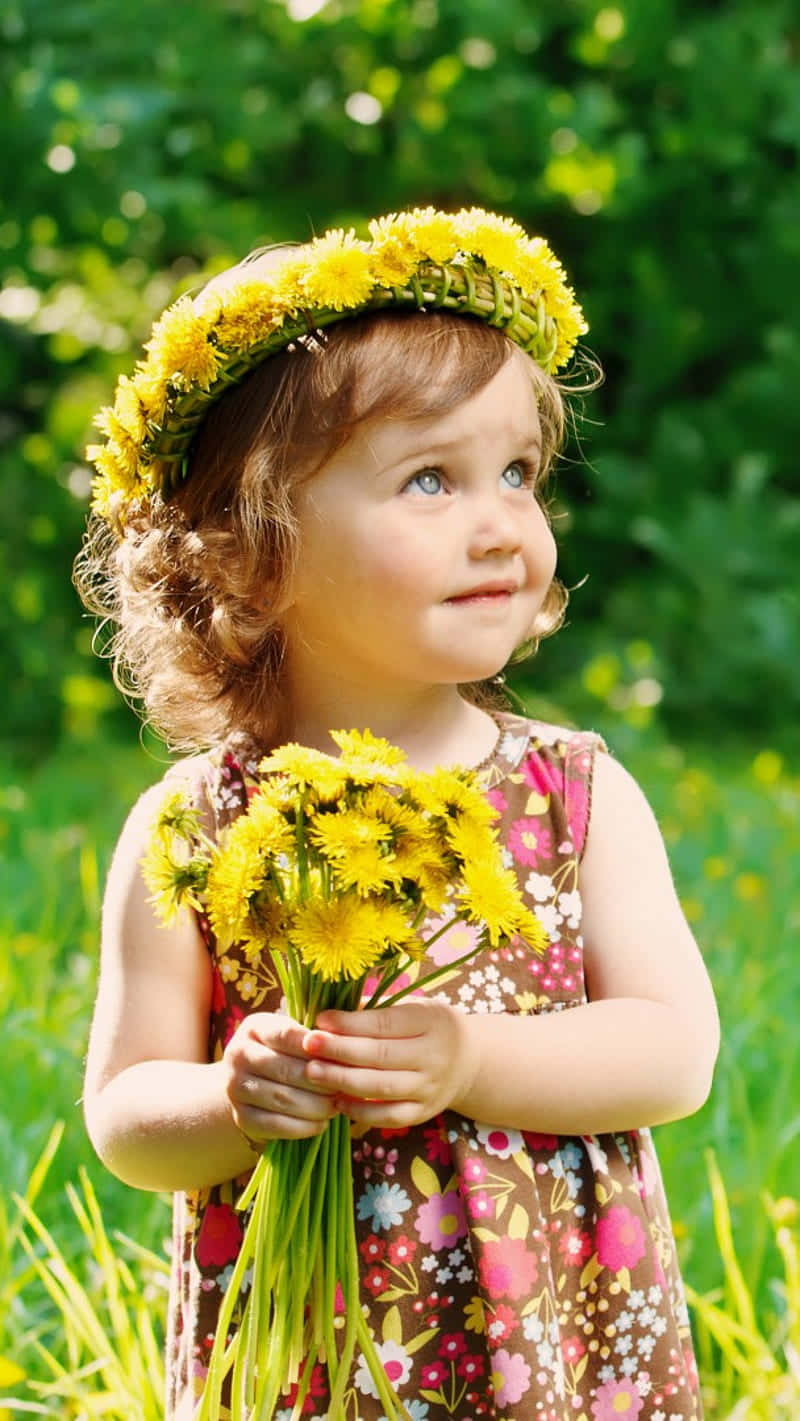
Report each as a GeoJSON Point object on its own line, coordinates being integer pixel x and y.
{"type": "Point", "coordinates": [494, 526]}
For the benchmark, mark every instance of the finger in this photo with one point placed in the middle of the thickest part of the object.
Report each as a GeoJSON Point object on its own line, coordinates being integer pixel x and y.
{"type": "Point", "coordinates": [270, 1125]}
{"type": "Point", "coordinates": [380, 1114]}
{"type": "Point", "coordinates": [279, 1033]}
{"type": "Point", "coordinates": [365, 1083]}
{"type": "Point", "coordinates": [254, 1096]}
{"type": "Point", "coordinates": [398, 1021]}
{"type": "Point", "coordinates": [381, 1054]}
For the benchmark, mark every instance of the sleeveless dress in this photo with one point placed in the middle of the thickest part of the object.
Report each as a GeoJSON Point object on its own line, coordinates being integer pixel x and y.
{"type": "Point", "coordinates": [507, 1275]}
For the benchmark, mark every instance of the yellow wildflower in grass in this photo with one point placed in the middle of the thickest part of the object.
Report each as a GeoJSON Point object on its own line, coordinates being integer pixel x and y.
{"type": "Point", "coordinates": [337, 937]}
{"type": "Point", "coordinates": [179, 350]}
{"type": "Point", "coordinates": [338, 273]}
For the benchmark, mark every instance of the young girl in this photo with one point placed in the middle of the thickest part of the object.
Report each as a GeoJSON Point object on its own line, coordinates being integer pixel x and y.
{"type": "Point", "coordinates": [319, 506]}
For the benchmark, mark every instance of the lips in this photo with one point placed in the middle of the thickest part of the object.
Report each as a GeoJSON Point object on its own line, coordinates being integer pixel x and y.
{"type": "Point", "coordinates": [488, 591]}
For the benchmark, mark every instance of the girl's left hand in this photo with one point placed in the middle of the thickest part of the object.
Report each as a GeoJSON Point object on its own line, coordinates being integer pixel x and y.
{"type": "Point", "coordinates": [391, 1066]}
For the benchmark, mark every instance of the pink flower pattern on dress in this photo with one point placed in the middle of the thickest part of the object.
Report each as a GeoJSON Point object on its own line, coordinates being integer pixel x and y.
{"type": "Point", "coordinates": [473, 1293]}
{"type": "Point", "coordinates": [620, 1239]}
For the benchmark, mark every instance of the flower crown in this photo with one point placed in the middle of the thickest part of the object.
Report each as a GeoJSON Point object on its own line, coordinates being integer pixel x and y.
{"type": "Point", "coordinates": [471, 263]}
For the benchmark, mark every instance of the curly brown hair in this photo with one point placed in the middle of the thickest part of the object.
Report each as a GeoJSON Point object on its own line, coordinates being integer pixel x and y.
{"type": "Point", "coordinates": [192, 591]}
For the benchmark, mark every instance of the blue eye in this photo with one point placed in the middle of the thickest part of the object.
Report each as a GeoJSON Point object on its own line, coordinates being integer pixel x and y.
{"type": "Point", "coordinates": [428, 481]}
{"type": "Point", "coordinates": [516, 476]}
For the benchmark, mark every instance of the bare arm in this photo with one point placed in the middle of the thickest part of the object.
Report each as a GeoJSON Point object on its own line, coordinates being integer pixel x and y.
{"type": "Point", "coordinates": [640, 1052]}
{"type": "Point", "coordinates": [158, 1113]}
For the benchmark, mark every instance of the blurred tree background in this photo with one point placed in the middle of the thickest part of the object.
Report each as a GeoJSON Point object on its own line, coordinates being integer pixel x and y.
{"type": "Point", "coordinates": [654, 142]}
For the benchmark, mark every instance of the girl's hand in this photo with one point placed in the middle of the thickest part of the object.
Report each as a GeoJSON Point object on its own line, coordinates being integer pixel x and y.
{"type": "Point", "coordinates": [392, 1066]}
{"type": "Point", "coordinates": [270, 1095]}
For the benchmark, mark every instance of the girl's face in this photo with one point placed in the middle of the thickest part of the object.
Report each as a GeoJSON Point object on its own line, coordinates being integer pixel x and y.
{"type": "Point", "coordinates": [424, 555]}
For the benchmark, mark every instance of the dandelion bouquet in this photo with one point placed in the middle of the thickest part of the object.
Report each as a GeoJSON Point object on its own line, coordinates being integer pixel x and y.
{"type": "Point", "coordinates": [331, 873]}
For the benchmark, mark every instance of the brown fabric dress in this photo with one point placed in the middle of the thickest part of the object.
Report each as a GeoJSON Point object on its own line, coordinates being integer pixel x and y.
{"type": "Point", "coordinates": [507, 1274]}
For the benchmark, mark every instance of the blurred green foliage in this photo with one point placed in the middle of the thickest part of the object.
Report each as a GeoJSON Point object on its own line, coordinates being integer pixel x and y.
{"type": "Point", "coordinates": [654, 142]}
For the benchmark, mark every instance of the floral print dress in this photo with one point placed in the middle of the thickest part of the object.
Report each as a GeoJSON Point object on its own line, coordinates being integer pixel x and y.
{"type": "Point", "coordinates": [507, 1275]}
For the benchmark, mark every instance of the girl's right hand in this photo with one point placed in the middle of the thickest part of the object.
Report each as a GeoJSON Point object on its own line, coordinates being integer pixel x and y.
{"type": "Point", "coordinates": [266, 1086]}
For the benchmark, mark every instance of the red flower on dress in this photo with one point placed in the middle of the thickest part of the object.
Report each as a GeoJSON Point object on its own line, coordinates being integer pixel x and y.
{"type": "Point", "coordinates": [220, 1236]}
{"type": "Point", "coordinates": [452, 1345]}
{"type": "Point", "coordinates": [434, 1374]}
{"type": "Point", "coordinates": [620, 1239]}
{"type": "Point", "coordinates": [575, 1245]}
{"type": "Point", "coordinates": [572, 1349]}
{"type": "Point", "coordinates": [372, 1249]}
{"type": "Point", "coordinates": [402, 1250]}
{"type": "Point", "coordinates": [506, 1268]}
{"type": "Point", "coordinates": [470, 1366]}
{"type": "Point", "coordinates": [376, 1279]}
{"type": "Point", "coordinates": [539, 1142]}
{"type": "Point", "coordinates": [437, 1147]}
{"type": "Point", "coordinates": [500, 1324]}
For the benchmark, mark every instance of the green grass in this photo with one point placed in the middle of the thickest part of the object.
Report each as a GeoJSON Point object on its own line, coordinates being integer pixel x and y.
{"type": "Point", "coordinates": [732, 824]}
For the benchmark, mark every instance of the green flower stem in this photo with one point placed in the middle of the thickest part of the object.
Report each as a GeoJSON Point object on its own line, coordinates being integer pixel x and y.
{"type": "Point", "coordinates": [430, 976]}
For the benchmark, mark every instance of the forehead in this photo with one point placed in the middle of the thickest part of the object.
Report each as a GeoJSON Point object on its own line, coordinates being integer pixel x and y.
{"type": "Point", "coordinates": [504, 410]}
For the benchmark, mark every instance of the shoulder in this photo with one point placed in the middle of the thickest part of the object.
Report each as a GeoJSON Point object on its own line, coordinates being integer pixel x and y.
{"type": "Point", "coordinates": [622, 826]}
{"type": "Point", "coordinates": [188, 777]}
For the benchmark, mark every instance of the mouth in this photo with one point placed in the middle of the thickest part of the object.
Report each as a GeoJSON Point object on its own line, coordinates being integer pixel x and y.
{"type": "Point", "coordinates": [489, 592]}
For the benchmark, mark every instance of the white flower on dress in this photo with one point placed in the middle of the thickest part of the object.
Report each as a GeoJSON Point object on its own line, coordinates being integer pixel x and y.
{"type": "Point", "coordinates": [429, 1262]}
{"type": "Point", "coordinates": [498, 1141]}
{"type": "Point", "coordinates": [570, 905]}
{"type": "Point", "coordinates": [625, 1321]}
{"type": "Point", "coordinates": [539, 886]}
{"type": "Point", "coordinates": [466, 993]}
{"type": "Point", "coordinates": [533, 1328]}
{"type": "Point", "coordinates": [396, 1361]}
{"type": "Point", "coordinates": [549, 919]}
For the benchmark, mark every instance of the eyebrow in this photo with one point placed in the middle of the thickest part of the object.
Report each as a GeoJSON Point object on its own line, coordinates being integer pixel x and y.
{"type": "Point", "coordinates": [525, 444]}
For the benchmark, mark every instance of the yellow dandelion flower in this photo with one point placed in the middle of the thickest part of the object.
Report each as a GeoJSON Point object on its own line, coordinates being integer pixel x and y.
{"type": "Point", "coordinates": [179, 350]}
{"type": "Point", "coordinates": [177, 816]}
{"type": "Point", "coordinates": [172, 881]}
{"type": "Point", "coordinates": [434, 234]}
{"type": "Point", "coordinates": [490, 894]}
{"type": "Point", "coordinates": [338, 273]}
{"type": "Point", "coordinates": [408, 825]}
{"type": "Point", "coordinates": [148, 382]}
{"type": "Point", "coordinates": [444, 793]}
{"type": "Point", "coordinates": [337, 937]}
{"type": "Point", "coordinates": [393, 928]}
{"type": "Point", "coordinates": [236, 875]}
{"type": "Point", "coordinates": [393, 258]}
{"type": "Point", "coordinates": [116, 474]}
{"type": "Point", "coordinates": [498, 240]}
{"type": "Point", "coordinates": [306, 767]}
{"type": "Point", "coordinates": [263, 828]}
{"type": "Point", "coordinates": [471, 841]}
{"type": "Point", "coordinates": [363, 746]}
{"type": "Point", "coordinates": [432, 881]}
{"type": "Point", "coordinates": [356, 846]}
{"type": "Point", "coordinates": [249, 314]}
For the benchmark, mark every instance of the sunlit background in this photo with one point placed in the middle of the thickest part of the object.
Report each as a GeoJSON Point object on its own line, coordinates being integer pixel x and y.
{"type": "Point", "coordinates": [655, 144]}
